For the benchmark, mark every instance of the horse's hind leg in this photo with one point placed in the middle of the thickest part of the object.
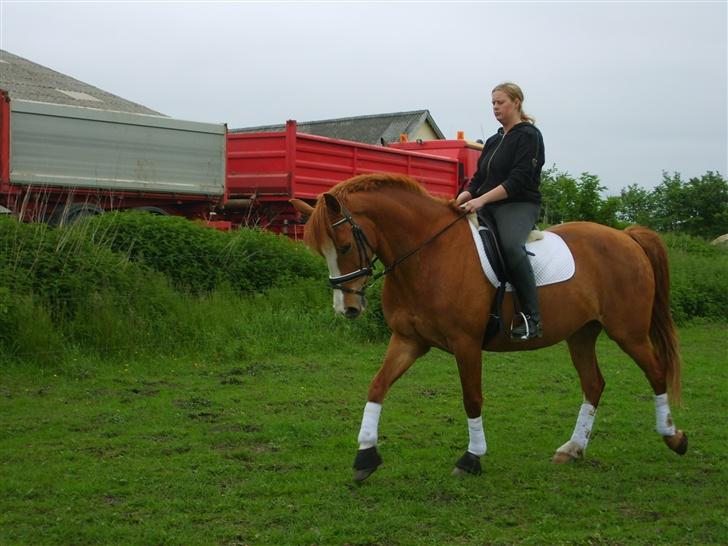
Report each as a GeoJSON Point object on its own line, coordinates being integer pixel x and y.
{"type": "Point", "coordinates": [401, 354]}
{"type": "Point", "coordinates": [644, 355]}
{"type": "Point", "coordinates": [582, 347]}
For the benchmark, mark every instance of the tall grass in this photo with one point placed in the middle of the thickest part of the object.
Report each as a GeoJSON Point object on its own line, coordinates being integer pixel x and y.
{"type": "Point", "coordinates": [129, 285]}
{"type": "Point", "coordinates": [699, 279]}
{"type": "Point", "coordinates": [197, 259]}
{"type": "Point", "coordinates": [100, 289]}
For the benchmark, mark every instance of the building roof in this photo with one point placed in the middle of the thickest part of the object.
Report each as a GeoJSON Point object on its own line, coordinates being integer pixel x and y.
{"type": "Point", "coordinates": [372, 129]}
{"type": "Point", "coordinates": [26, 80]}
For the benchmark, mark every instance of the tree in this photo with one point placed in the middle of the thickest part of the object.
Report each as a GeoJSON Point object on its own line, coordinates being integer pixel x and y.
{"type": "Point", "coordinates": [608, 210]}
{"type": "Point", "coordinates": [706, 206]}
{"type": "Point", "coordinates": [566, 199]}
{"type": "Point", "coordinates": [637, 206]}
{"type": "Point", "coordinates": [589, 200]}
{"type": "Point", "coordinates": [698, 207]}
{"type": "Point", "coordinates": [559, 194]}
{"type": "Point", "coordinates": [669, 202]}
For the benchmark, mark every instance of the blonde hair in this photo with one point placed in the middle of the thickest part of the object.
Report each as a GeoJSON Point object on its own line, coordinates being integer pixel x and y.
{"type": "Point", "coordinates": [514, 92]}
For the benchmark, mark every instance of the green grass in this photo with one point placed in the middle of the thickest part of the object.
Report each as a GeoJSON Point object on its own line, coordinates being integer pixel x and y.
{"type": "Point", "coordinates": [256, 448]}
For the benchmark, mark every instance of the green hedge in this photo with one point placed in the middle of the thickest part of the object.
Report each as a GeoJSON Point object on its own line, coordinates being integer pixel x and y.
{"type": "Point", "coordinates": [698, 277]}
{"type": "Point", "coordinates": [59, 292]}
{"type": "Point", "coordinates": [199, 259]}
{"type": "Point", "coordinates": [123, 284]}
{"type": "Point", "coordinates": [131, 283]}
{"type": "Point", "coordinates": [63, 267]}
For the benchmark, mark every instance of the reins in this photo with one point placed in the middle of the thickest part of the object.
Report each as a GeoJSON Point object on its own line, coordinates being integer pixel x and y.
{"type": "Point", "coordinates": [415, 250]}
{"type": "Point", "coordinates": [366, 267]}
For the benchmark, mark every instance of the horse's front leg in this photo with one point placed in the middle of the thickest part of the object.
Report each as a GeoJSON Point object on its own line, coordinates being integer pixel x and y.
{"type": "Point", "coordinates": [469, 359]}
{"type": "Point", "coordinates": [401, 354]}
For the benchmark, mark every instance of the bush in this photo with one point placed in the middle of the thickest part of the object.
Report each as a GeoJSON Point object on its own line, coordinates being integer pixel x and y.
{"type": "Point", "coordinates": [27, 331]}
{"type": "Point", "coordinates": [62, 268]}
{"type": "Point", "coordinates": [198, 259]}
{"type": "Point", "coordinates": [65, 291]}
{"type": "Point", "coordinates": [121, 287]}
{"type": "Point", "coordinates": [259, 260]}
{"type": "Point", "coordinates": [59, 292]}
{"type": "Point", "coordinates": [699, 283]}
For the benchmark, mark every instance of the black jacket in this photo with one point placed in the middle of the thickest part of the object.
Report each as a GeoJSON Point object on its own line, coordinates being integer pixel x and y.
{"type": "Point", "coordinates": [514, 160]}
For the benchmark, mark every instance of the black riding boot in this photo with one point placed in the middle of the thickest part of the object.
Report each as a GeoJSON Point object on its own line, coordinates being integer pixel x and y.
{"type": "Point", "coordinates": [525, 285]}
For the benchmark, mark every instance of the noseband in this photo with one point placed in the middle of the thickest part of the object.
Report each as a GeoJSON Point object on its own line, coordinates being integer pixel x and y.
{"type": "Point", "coordinates": [366, 264]}
{"type": "Point", "coordinates": [364, 247]}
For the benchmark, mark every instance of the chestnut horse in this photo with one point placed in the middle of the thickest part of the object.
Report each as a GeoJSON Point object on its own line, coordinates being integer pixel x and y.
{"type": "Point", "coordinates": [436, 295]}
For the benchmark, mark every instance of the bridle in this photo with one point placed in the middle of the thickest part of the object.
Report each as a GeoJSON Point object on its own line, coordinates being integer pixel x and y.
{"type": "Point", "coordinates": [364, 249]}
{"type": "Point", "coordinates": [366, 264]}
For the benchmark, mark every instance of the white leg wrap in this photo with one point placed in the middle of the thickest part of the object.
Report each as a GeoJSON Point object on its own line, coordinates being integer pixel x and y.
{"type": "Point", "coordinates": [477, 445]}
{"type": "Point", "coordinates": [582, 431]}
{"type": "Point", "coordinates": [664, 426]}
{"type": "Point", "coordinates": [369, 425]}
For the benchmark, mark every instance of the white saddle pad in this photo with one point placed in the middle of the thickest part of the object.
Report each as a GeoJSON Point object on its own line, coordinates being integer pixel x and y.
{"type": "Point", "coordinates": [552, 261]}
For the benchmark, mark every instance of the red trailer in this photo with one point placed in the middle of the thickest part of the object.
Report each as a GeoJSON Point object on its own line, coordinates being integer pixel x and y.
{"type": "Point", "coordinates": [464, 151]}
{"type": "Point", "coordinates": [58, 163]}
{"type": "Point", "coordinates": [265, 170]}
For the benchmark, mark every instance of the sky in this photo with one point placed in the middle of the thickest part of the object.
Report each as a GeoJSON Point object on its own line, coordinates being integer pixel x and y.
{"type": "Point", "coordinates": [623, 90]}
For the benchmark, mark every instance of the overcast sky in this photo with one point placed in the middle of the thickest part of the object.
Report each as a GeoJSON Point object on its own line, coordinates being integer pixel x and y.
{"type": "Point", "coordinates": [623, 90]}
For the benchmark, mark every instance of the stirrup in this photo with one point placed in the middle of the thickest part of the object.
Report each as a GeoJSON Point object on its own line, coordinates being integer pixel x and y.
{"type": "Point", "coordinates": [527, 329]}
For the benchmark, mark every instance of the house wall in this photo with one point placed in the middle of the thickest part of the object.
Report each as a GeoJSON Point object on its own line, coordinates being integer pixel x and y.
{"type": "Point", "coordinates": [424, 132]}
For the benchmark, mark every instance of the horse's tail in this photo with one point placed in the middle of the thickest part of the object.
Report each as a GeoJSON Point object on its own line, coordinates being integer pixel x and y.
{"type": "Point", "coordinates": [662, 328]}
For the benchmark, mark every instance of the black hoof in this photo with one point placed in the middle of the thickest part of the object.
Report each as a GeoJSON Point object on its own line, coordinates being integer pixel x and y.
{"type": "Point", "coordinates": [468, 463]}
{"type": "Point", "coordinates": [361, 475]}
{"type": "Point", "coordinates": [366, 462]}
{"type": "Point", "coordinates": [682, 448]}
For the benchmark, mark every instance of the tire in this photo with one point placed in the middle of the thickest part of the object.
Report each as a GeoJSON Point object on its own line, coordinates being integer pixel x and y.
{"type": "Point", "coordinates": [66, 215]}
{"type": "Point", "coordinates": [151, 210]}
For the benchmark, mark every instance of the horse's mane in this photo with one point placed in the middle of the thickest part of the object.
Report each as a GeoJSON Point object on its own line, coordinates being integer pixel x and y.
{"type": "Point", "coordinates": [376, 181]}
{"type": "Point", "coordinates": [318, 224]}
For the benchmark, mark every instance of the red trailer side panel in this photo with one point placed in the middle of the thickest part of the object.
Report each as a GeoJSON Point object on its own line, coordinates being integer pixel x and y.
{"type": "Point", "coordinates": [281, 165]}
{"type": "Point", "coordinates": [465, 152]}
{"type": "Point", "coordinates": [257, 163]}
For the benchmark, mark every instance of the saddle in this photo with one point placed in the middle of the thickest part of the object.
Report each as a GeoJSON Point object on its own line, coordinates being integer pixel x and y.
{"type": "Point", "coordinates": [551, 259]}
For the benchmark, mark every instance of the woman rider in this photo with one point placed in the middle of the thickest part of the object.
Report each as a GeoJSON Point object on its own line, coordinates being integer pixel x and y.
{"type": "Point", "coordinates": [506, 188]}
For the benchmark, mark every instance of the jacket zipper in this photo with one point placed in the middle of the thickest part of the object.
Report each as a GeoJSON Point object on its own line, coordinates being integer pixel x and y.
{"type": "Point", "coordinates": [487, 169]}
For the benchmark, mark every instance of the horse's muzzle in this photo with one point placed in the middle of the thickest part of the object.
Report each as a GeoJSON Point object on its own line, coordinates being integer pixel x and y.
{"type": "Point", "coordinates": [352, 312]}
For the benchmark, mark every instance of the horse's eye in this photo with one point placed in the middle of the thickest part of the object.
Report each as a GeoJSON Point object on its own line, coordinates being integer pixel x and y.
{"type": "Point", "coordinates": [344, 249]}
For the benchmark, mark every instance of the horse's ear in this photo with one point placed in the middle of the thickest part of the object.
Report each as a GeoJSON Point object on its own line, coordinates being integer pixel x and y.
{"type": "Point", "coordinates": [301, 206]}
{"type": "Point", "coordinates": [332, 204]}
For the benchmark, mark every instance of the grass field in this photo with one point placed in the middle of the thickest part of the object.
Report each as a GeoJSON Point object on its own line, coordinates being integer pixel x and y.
{"type": "Point", "coordinates": [181, 451]}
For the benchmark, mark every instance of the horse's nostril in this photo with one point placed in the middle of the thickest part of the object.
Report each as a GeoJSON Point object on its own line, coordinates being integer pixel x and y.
{"type": "Point", "coordinates": [351, 312]}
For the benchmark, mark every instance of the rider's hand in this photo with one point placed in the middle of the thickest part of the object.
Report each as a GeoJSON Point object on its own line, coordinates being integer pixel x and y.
{"type": "Point", "coordinates": [473, 205]}
{"type": "Point", "coordinates": [462, 198]}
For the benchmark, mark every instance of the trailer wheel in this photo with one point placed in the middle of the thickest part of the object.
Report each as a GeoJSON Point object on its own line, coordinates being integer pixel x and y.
{"type": "Point", "coordinates": [69, 214]}
{"type": "Point", "coordinates": [152, 210]}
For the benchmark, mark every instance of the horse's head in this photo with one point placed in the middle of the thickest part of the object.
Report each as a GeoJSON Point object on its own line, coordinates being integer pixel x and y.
{"type": "Point", "coordinates": [382, 225]}
{"type": "Point", "coordinates": [334, 233]}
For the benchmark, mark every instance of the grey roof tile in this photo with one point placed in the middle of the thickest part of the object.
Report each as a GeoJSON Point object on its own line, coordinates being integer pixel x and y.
{"type": "Point", "coordinates": [26, 80]}
{"type": "Point", "coordinates": [370, 129]}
